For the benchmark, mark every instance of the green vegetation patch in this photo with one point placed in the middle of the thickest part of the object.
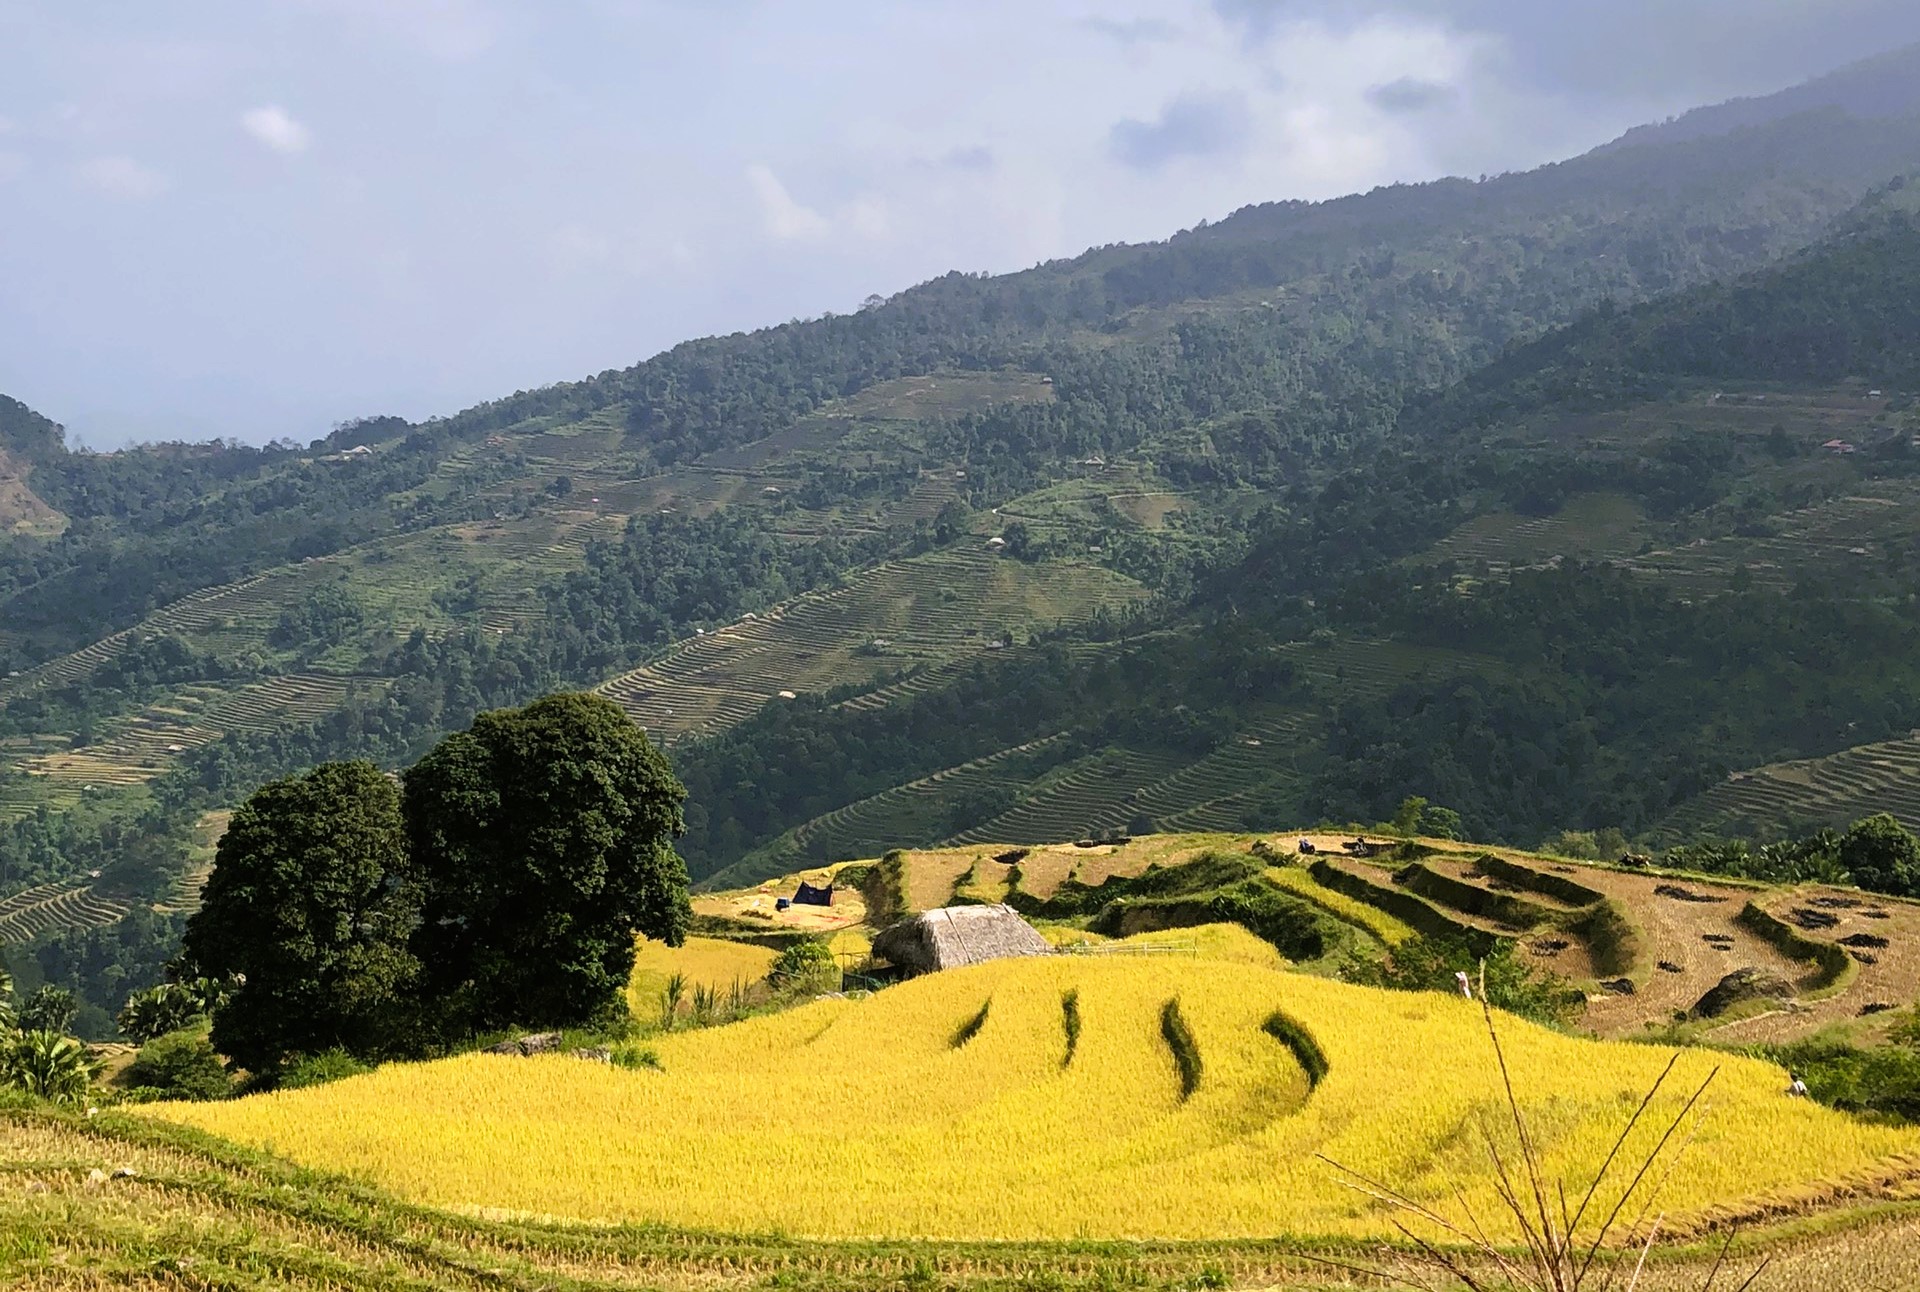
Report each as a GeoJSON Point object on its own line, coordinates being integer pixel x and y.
{"type": "Point", "coordinates": [1293, 1034]}
{"type": "Point", "coordinates": [1833, 967]}
{"type": "Point", "coordinates": [971, 1028]}
{"type": "Point", "coordinates": [1503, 908]}
{"type": "Point", "coordinates": [1185, 1050]}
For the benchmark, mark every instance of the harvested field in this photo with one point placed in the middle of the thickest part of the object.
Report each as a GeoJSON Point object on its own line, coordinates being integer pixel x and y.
{"type": "Point", "coordinates": [1886, 953]}
{"type": "Point", "coordinates": [1672, 929]}
{"type": "Point", "coordinates": [759, 904]}
{"type": "Point", "coordinates": [1046, 867]}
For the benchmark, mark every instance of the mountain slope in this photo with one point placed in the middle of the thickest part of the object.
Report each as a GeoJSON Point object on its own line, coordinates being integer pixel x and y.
{"type": "Point", "coordinates": [1172, 469]}
{"type": "Point", "coordinates": [1849, 308]}
{"type": "Point", "coordinates": [1886, 85]}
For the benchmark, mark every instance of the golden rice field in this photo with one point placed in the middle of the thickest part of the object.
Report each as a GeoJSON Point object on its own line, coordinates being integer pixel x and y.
{"type": "Point", "coordinates": [1387, 928]}
{"type": "Point", "coordinates": [1228, 942]}
{"type": "Point", "coordinates": [708, 962]}
{"type": "Point", "coordinates": [850, 1118]}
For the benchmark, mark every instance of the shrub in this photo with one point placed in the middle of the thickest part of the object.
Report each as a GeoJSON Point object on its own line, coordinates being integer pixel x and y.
{"type": "Point", "coordinates": [1884, 1081]}
{"type": "Point", "coordinates": [180, 1065]}
{"type": "Point", "coordinates": [47, 1065]}
{"type": "Point", "coordinates": [806, 968]}
{"type": "Point", "coordinates": [152, 1013]}
{"type": "Point", "coordinates": [319, 1069]}
{"type": "Point", "coordinates": [1427, 963]}
{"type": "Point", "coordinates": [49, 1009]}
{"type": "Point", "coordinates": [1881, 856]}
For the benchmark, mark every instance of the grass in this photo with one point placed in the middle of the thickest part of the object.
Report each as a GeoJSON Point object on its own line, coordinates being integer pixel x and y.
{"type": "Point", "coordinates": [911, 1137]}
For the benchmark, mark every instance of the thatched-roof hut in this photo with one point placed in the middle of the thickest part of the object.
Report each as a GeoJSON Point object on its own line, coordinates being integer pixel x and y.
{"type": "Point", "coordinates": [958, 935]}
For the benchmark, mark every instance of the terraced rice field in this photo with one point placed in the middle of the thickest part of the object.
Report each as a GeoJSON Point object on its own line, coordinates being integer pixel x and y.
{"type": "Point", "coordinates": [906, 815]}
{"type": "Point", "coordinates": [136, 749]}
{"type": "Point", "coordinates": [1838, 537]}
{"type": "Point", "coordinates": [47, 907]}
{"type": "Point", "coordinates": [1044, 869]}
{"type": "Point", "coordinates": [1086, 797]}
{"type": "Point", "coordinates": [912, 1109]}
{"type": "Point", "coordinates": [225, 1216]}
{"type": "Point", "coordinates": [1148, 509]}
{"type": "Point", "coordinates": [1376, 668]}
{"type": "Point", "coordinates": [1834, 790]}
{"type": "Point", "coordinates": [934, 607]}
{"type": "Point", "coordinates": [1589, 527]}
{"type": "Point", "coordinates": [1384, 927]}
{"type": "Point", "coordinates": [1688, 939]}
{"type": "Point", "coordinates": [184, 616]}
{"type": "Point", "coordinates": [704, 962]}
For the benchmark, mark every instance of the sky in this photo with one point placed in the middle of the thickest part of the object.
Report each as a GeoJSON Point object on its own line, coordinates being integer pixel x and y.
{"type": "Point", "coordinates": [258, 218]}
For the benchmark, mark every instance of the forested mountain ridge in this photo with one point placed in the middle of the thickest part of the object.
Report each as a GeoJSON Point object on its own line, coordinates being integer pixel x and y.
{"type": "Point", "coordinates": [1847, 308]}
{"type": "Point", "coordinates": [1538, 248]}
{"type": "Point", "coordinates": [1125, 539]}
{"type": "Point", "coordinates": [1887, 85]}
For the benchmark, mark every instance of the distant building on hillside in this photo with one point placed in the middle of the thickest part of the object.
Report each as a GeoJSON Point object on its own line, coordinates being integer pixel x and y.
{"type": "Point", "coordinates": [1839, 446]}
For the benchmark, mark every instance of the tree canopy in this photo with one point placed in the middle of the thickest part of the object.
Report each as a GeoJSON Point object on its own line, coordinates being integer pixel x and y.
{"type": "Point", "coordinates": [308, 912]}
{"type": "Point", "coordinates": [543, 839]}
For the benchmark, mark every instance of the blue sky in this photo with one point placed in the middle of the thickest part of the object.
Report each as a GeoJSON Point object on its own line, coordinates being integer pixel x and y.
{"type": "Point", "coordinates": [258, 218]}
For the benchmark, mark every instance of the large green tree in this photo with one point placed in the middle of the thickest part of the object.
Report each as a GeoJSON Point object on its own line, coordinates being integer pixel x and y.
{"type": "Point", "coordinates": [309, 910]}
{"type": "Point", "coordinates": [1880, 855]}
{"type": "Point", "coordinates": [543, 837]}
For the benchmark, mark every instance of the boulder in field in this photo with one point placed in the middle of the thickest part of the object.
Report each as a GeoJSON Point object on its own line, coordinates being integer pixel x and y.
{"type": "Point", "coordinates": [1739, 987]}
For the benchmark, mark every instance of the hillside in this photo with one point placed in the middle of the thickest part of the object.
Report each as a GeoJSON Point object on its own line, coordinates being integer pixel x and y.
{"type": "Point", "coordinates": [220, 1214]}
{"type": "Point", "coordinates": [872, 1130]}
{"type": "Point", "coordinates": [1640, 946]}
{"type": "Point", "coordinates": [1138, 540]}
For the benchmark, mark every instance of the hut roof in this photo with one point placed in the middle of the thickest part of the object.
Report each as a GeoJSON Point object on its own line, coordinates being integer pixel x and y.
{"type": "Point", "coordinates": [958, 935]}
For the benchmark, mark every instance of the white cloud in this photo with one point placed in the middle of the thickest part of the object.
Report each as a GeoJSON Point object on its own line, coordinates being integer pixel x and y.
{"type": "Point", "coordinates": [783, 217]}
{"type": "Point", "coordinates": [121, 177]}
{"type": "Point", "coordinates": [273, 126]}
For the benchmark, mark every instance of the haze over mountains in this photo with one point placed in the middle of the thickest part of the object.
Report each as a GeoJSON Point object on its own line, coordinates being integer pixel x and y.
{"type": "Point", "coordinates": [1520, 495]}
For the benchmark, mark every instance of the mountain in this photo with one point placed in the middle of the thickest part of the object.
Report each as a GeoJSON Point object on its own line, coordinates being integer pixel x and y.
{"type": "Point", "coordinates": [1151, 537]}
{"type": "Point", "coordinates": [1886, 85]}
